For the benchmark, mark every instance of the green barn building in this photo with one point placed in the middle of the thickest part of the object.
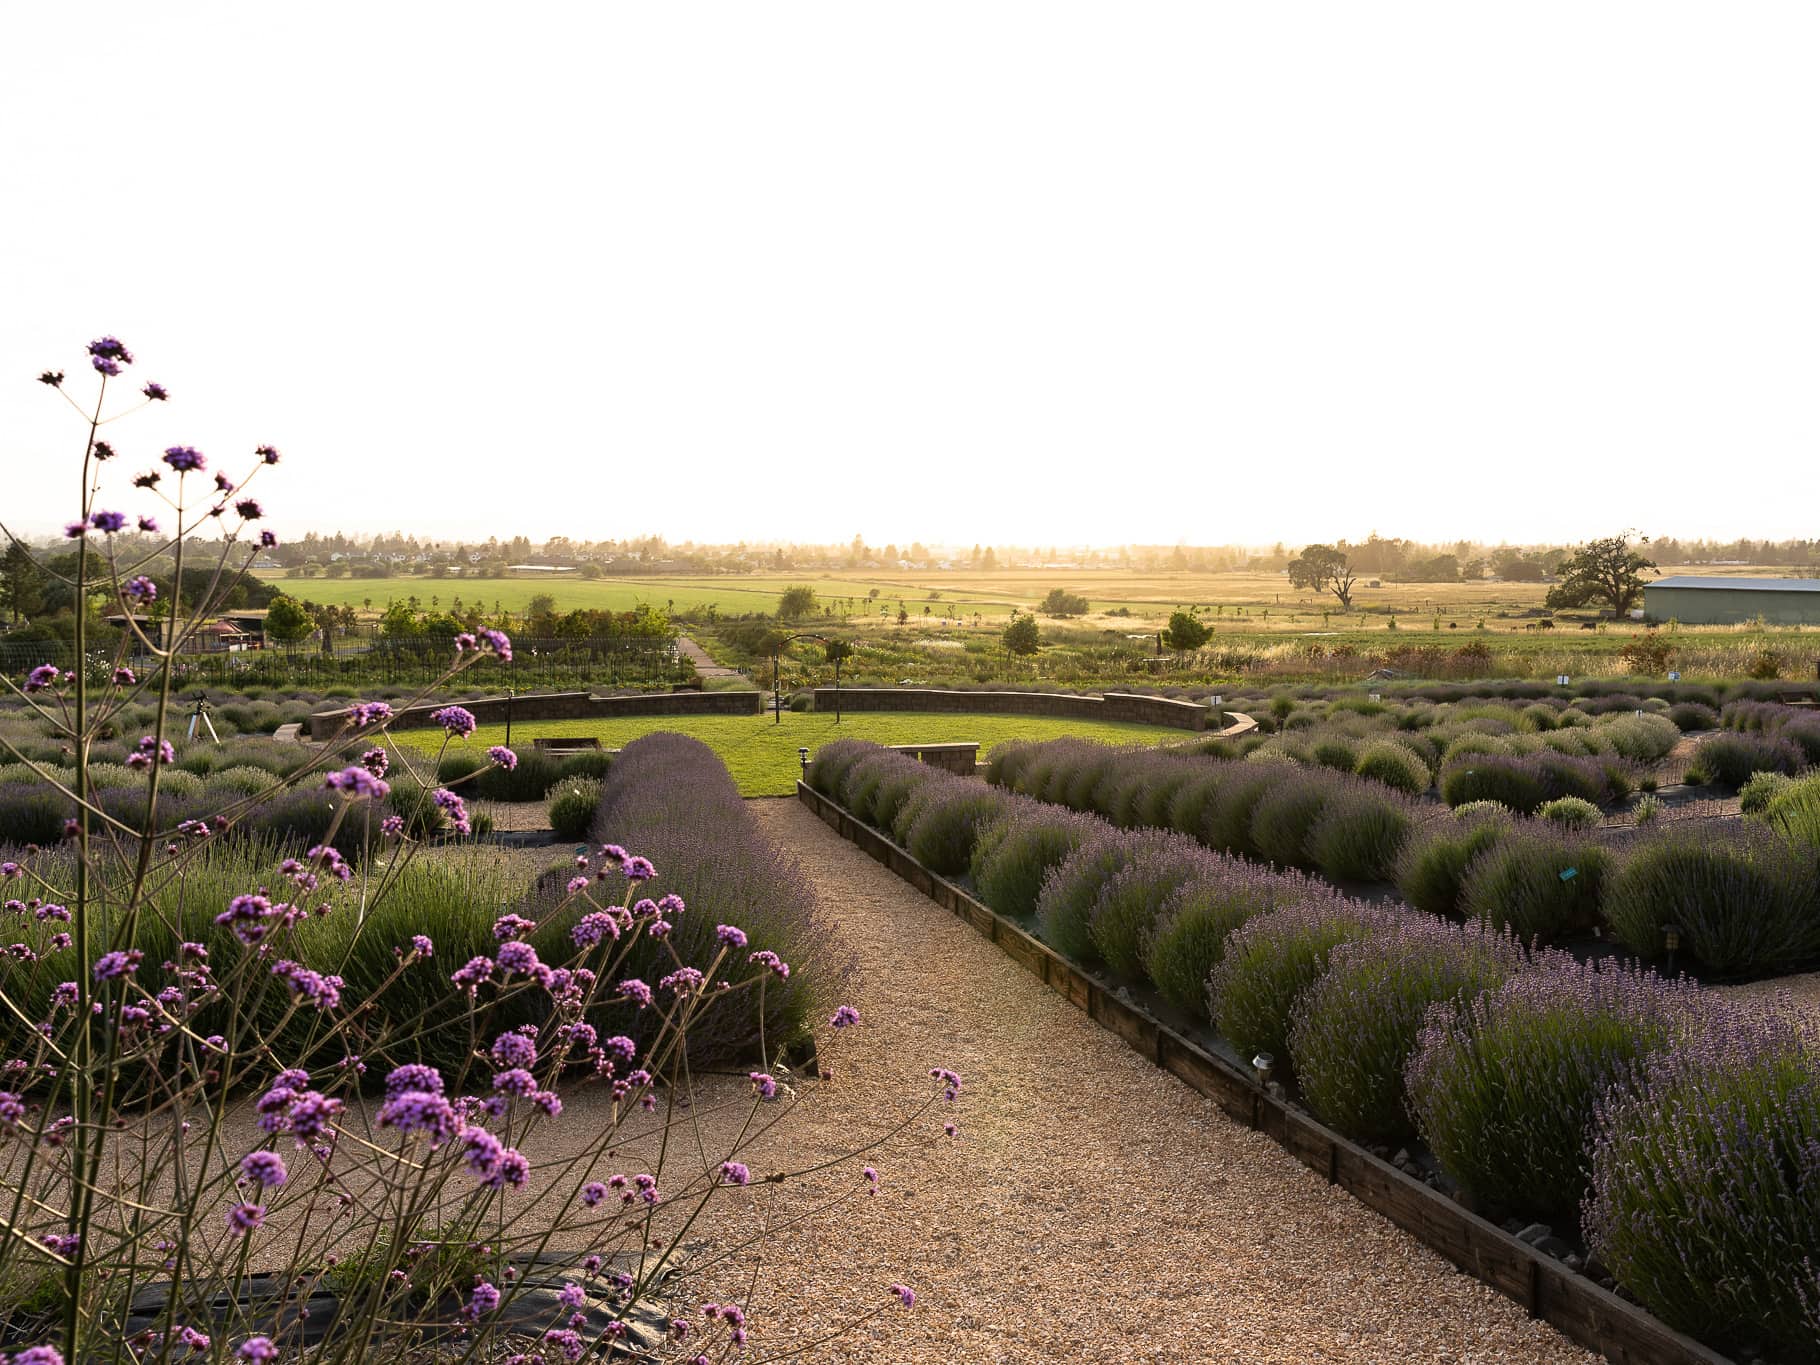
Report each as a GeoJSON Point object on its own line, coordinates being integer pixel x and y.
{"type": "Point", "coordinates": [1732, 601]}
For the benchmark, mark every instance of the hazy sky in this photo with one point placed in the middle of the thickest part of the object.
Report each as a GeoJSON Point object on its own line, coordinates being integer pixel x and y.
{"type": "Point", "coordinates": [1037, 272]}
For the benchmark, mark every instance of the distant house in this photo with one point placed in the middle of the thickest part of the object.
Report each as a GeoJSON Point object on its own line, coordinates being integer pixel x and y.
{"type": "Point", "coordinates": [1720, 601]}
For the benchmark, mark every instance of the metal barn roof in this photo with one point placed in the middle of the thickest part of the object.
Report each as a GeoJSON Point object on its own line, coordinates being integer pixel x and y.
{"type": "Point", "coordinates": [1741, 584]}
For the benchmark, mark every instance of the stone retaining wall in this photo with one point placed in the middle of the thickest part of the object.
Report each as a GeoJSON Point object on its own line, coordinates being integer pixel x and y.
{"type": "Point", "coordinates": [1113, 706]}
{"type": "Point", "coordinates": [955, 758]}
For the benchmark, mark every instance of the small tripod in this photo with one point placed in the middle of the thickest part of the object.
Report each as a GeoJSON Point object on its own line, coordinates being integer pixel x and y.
{"type": "Point", "coordinates": [201, 713]}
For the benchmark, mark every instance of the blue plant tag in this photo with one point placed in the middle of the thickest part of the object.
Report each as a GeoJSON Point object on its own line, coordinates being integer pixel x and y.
{"type": "Point", "coordinates": [1569, 873]}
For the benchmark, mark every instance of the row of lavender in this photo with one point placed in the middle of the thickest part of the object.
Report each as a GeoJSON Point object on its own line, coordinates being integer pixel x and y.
{"type": "Point", "coordinates": [1685, 1135]}
{"type": "Point", "coordinates": [1743, 904]}
{"type": "Point", "coordinates": [671, 797]}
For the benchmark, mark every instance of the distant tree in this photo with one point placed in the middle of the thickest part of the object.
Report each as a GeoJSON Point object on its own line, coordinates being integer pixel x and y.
{"type": "Point", "coordinates": [1514, 566]}
{"type": "Point", "coordinates": [287, 621]}
{"type": "Point", "coordinates": [1061, 602]}
{"type": "Point", "coordinates": [541, 604]}
{"type": "Point", "coordinates": [1438, 569]}
{"type": "Point", "coordinates": [796, 603]}
{"type": "Point", "coordinates": [1608, 571]}
{"type": "Point", "coordinates": [1022, 635]}
{"type": "Point", "coordinates": [1324, 568]}
{"type": "Point", "coordinates": [1186, 630]}
{"type": "Point", "coordinates": [21, 582]}
{"type": "Point", "coordinates": [839, 651]}
{"type": "Point", "coordinates": [903, 614]}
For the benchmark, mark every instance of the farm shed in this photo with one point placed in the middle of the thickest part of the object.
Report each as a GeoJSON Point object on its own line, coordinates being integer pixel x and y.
{"type": "Point", "coordinates": [1729, 601]}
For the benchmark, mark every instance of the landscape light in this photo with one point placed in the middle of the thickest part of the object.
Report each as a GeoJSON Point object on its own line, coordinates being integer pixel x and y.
{"type": "Point", "coordinates": [1263, 1064]}
{"type": "Point", "coordinates": [1671, 936]}
{"type": "Point", "coordinates": [802, 755]}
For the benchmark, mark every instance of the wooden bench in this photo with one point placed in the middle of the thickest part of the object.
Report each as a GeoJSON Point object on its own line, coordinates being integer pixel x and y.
{"type": "Point", "coordinates": [566, 744]}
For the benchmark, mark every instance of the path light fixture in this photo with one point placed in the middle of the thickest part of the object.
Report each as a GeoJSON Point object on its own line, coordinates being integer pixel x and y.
{"type": "Point", "coordinates": [1264, 1064]}
{"type": "Point", "coordinates": [1671, 940]}
{"type": "Point", "coordinates": [802, 755]}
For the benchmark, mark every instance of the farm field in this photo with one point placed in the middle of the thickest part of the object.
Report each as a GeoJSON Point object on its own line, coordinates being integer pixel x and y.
{"type": "Point", "coordinates": [1262, 602]}
{"type": "Point", "coordinates": [762, 755]}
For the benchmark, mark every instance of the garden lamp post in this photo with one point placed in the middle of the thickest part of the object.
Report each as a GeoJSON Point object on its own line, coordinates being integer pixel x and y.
{"type": "Point", "coordinates": [511, 691]}
{"type": "Point", "coordinates": [777, 652]}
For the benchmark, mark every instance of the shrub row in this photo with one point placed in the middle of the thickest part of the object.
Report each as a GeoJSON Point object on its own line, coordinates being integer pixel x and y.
{"type": "Point", "coordinates": [1686, 1131]}
{"type": "Point", "coordinates": [670, 798]}
{"type": "Point", "coordinates": [1274, 811]}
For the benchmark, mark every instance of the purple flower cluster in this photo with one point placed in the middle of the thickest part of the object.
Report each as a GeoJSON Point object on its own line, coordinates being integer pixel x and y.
{"type": "Point", "coordinates": [1504, 1089]}
{"type": "Point", "coordinates": [141, 591]}
{"type": "Point", "coordinates": [456, 720]}
{"type": "Point", "coordinates": [454, 808]}
{"type": "Point", "coordinates": [1704, 1175]}
{"type": "Point", "coordinates": [357, 783]}
{"type": "Point", "coordinates": [185, 459]}
{"type": "Point", "coordinates": [151, 750]}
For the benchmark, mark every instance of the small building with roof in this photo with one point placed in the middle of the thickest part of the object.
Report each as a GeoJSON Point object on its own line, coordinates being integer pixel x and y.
{"type": "Point", "coordinates": [1722, 601]}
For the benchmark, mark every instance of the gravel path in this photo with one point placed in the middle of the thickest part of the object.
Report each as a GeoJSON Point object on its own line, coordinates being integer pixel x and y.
{"type": "Point", "coordinates": [1092, 1208]}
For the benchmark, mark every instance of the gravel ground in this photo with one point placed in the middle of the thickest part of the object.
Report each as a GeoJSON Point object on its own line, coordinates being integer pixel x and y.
{"type": "Point", "coordinates": [1091, 1208]}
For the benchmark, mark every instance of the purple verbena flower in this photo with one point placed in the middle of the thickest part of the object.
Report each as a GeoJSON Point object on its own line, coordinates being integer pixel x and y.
{"type": "Point", "coordinates": [503, 756]}
{"type": "Point", "coordinates": [457, 720]}
{"type": "Point", "coordinates": [845, 1017]}
{"type": "Point", "coordinates": [184, 459]}
{"type": "Point", "coordinates": [156, 393]}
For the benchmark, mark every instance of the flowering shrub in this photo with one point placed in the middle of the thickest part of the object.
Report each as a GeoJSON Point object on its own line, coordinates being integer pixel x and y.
{"type": "Point", "coordinates": [1760, 789]}
{"type": "Point", "coordinates": [1431, 865]}
{"type": "Point", "coordinates": [833, 761]}
{"type": "Point", "coordinates": [1353, 1028]}
{"type": "Point", "coordinates": [1792, 807]}
{"type": "Point", "coordinates": [1705, 1198]}
{"type": "Point", "coordinates": [938, 830]}
{"type": "Point", "coordinates": [1191, 929]}
{"type": "Point", "coordinates": [1536, 883]}
{"type": "Point", "coordinates": [1743, 905]}
{"type": "Point", "coordinates": [1395, 765]}
{"type": "Point", "coordinates": [1284, 814]}
{"type": "Point", "coordinates": [1064, 906]}
{"type": "Point", "coordinates": [1503, 1090]}
{"type": "Point", "coordinates": [1132, 898]}
{"type": "Point", "coordinates": [1693, 715]}
{"type": "Point", "coordinates": [1730, 760]}
{"type": "Point", "coordinates": [671, 796]}
{"type": "Point", "coordinates": [1271, 959]}
{"type": "Point", "coordinates": [1569, 812]}
{"type": "Point", "coordinates": [1016, 852]}
{"type": "Point", "coordinates": [1358, 833]}
{"type": "Point", "coordinates": [572, 807]}
{"type": "Point", "coordinates": [221, 1049]}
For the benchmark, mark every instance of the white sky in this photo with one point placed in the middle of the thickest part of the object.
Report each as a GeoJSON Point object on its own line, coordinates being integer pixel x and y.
{"type": "Point", "coordinates": [1038, 273]}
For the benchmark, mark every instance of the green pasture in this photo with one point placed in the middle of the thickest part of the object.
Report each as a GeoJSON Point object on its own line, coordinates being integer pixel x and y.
{"type": "Point", "coordinates": [761, 754]}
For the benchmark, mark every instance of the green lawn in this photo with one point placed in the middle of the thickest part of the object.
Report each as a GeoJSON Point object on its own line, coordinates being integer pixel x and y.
{"type": "Point", "coordinates": [762, 755]}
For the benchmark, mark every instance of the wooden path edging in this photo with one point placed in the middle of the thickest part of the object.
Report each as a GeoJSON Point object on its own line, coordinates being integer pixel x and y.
{"type": "Point", "coordinates": [1581, 1310]}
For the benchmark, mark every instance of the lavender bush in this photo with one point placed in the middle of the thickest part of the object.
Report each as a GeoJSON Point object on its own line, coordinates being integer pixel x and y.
{"type": "Point", "coordinates": [1395, 765]}
{"type": "Point", "coordinates": [1431, 865]}
{"type": "Point", "coordinates": [1189, 936]}
{"type": "Point", "coordinates": [1352, 1030]}
{"type": "Point", "coordinates": [1130, 901]}
{"type": "Point", "coordinates": [1270, 960]}
{"type": "Point", "coordinates": [1744, 905]}
{"type": "Point", "coordinates": [833, 761]}
{"type": "Point", "coordinates": [1014, 854]}
{"type": "Point", "coordinates": [1730, 760]}
{"type": "Point", "coordinates": [1503, 1091]}
{"type": "Point", "coordinates": [207, 1031]}
{"type": "Point", "coordinates": [1536, 883]}
{"type": "Point", "coordinates": [1358, 832]}
{"type": "Point", "coordinates": [940, 828]}
{"type": "Point", "coordinates": [1064, 906]}
{"type": "Point", "coordinates": [1285, 813]}
{"type": "Point", "coordinates": [1705, 1198]}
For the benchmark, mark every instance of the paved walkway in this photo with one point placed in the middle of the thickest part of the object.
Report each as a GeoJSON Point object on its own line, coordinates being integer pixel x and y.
{"type": "Point", "coordinates": [1091, 1208]}
{"type": "Point", "coordinates": [704, 663]}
